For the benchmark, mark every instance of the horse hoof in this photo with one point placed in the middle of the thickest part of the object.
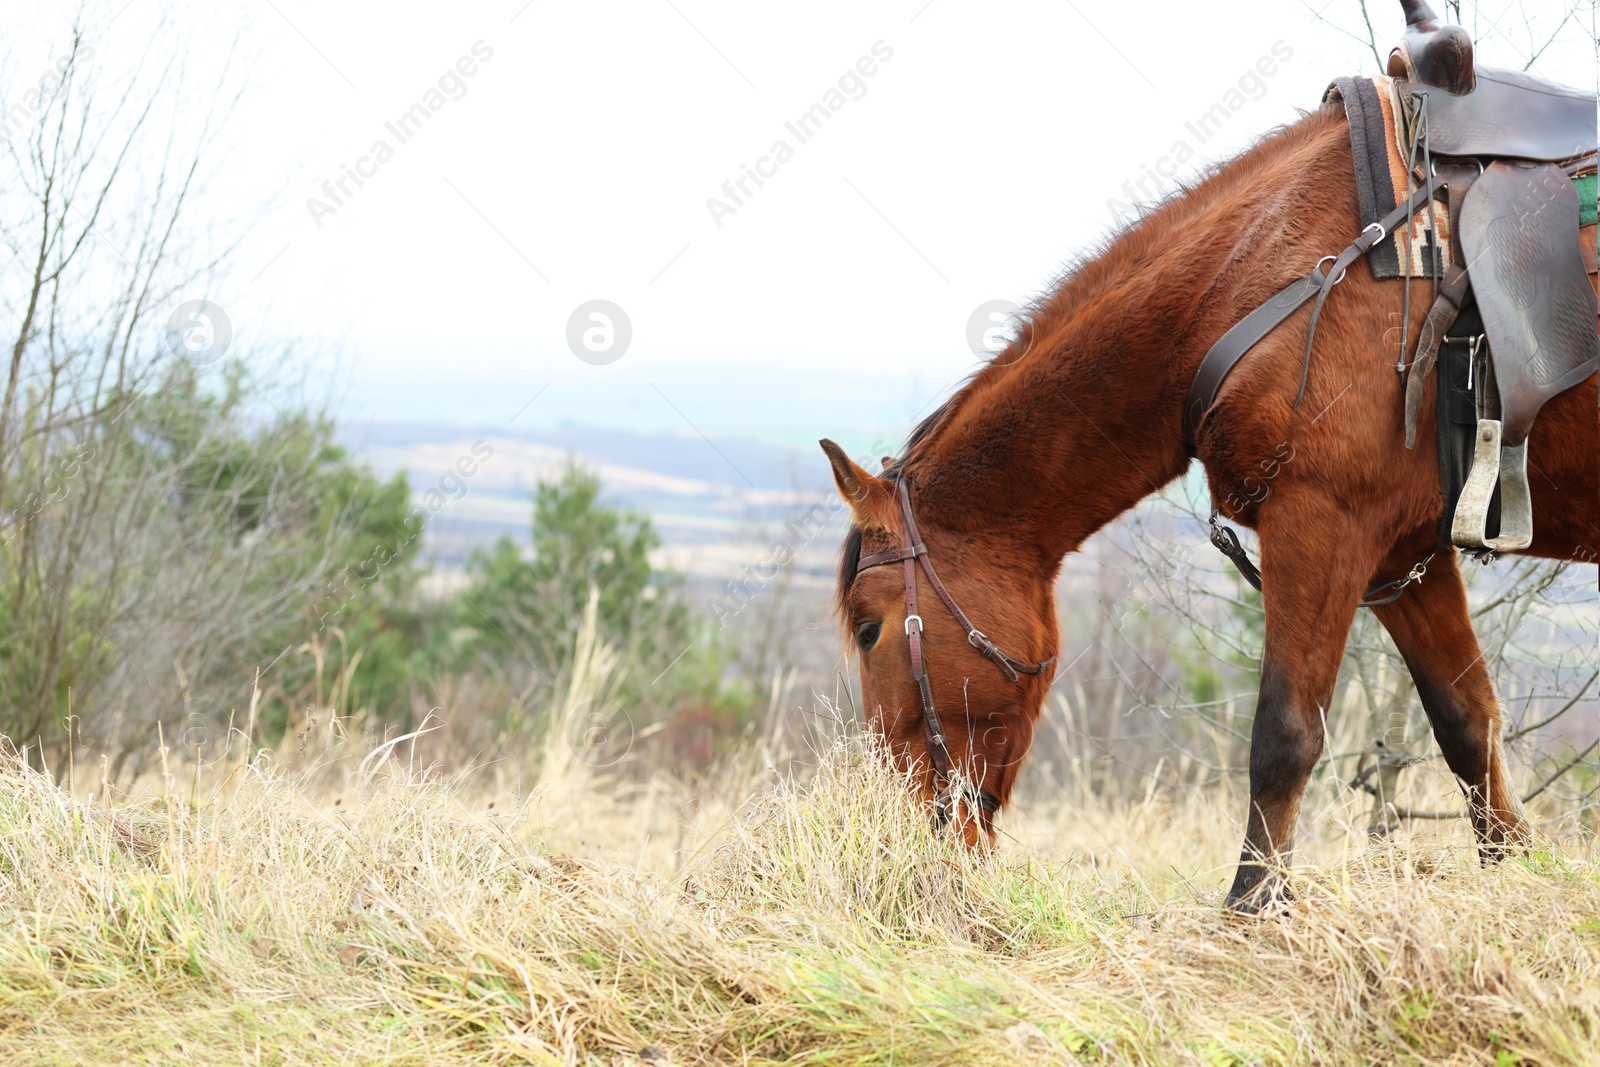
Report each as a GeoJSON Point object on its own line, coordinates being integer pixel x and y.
{"type": "Point", "coordinates": [1265, 894]}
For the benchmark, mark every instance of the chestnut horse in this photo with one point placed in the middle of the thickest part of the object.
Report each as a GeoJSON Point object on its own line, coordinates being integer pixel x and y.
{"type": "Point", "coordinates": [1079, 419]}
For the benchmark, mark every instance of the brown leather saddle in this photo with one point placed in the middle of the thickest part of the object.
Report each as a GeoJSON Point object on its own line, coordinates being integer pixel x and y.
{"type": "Point", "coordinates": [1506, 146]}
{"type": "Point", "coordinates": [1514, 318]}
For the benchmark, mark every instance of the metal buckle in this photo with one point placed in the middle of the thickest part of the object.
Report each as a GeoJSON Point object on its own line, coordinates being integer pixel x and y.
{"type": "Point", "coordinates": [979, 640]}
{"type": "Point", "coordinates": [1382, 233]}
{"type": "Point", "coordinates": [1474, 346]}
{"type": "Point", "coordinates": [920, 628]}
{"type": "Point", "coordinates": [1474, 343]}
{"type": "Point", "coordinates": [1225, 540]}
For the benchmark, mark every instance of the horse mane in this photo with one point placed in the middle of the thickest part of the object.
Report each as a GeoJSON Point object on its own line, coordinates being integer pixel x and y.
{"type": "Point", "coordinates": [1079, 280]}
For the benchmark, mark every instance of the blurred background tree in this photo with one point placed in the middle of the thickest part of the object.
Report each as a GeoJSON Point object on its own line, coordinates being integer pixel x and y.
{"type": "Point", "coordinates": [535, 599]}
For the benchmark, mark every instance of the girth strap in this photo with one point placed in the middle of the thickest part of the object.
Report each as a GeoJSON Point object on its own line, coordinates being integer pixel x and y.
{"type": "Point", "coordinates": [1227, 542]}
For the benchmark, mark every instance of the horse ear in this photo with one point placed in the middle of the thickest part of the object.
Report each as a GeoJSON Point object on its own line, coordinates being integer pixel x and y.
{"type": "Point", "coordinates": [871, 498]}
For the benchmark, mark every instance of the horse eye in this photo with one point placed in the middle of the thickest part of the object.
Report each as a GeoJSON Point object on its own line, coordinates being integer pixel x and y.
{"type": "Point", "coordinates": [867, 635]}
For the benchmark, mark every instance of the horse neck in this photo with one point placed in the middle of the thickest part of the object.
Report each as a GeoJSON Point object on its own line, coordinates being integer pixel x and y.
{"type": "Point", "coordinates": [1080, 418]}
{"type": "Point", "coordinates": [1056, 446]}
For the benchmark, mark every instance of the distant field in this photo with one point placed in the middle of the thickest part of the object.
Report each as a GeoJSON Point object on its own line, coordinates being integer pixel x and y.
{"type": "Point", "coordinates": [711, 502]}
{"type": "Point", "coordinates": [381, 917]}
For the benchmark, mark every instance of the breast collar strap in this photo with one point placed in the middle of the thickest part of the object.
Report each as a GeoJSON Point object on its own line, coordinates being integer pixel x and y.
{"type": "Point", "coordinates": [1231, 347]}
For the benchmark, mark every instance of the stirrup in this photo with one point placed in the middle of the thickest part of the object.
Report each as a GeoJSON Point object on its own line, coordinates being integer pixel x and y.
{"type": "Point", "coordinates": [1495, 466]}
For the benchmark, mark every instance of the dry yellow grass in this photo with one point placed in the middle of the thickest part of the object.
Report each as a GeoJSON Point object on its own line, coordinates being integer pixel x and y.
{"type": "Point", "coordinates": [361, 911]}
{"type": "Point", "coordinates": [261, 921]}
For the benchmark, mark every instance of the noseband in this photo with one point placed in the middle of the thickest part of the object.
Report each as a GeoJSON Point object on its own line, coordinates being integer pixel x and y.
{"type": "Point", "coordinates": [938, 750]}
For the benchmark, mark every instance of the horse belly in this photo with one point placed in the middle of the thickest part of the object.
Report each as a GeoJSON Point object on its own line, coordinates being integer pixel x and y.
{"type": "Point", "coordinates": [1564, 475]}
{"type": "Point", "coordinates": [1564, 461]}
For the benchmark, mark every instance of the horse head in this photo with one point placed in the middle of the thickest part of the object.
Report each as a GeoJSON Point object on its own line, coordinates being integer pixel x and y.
{"type": "Point", "coordinates": [931, 601]}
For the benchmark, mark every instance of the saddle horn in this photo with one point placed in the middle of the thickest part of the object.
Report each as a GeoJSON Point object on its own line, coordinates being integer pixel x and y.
{"type": "Point", "coordinates": [1419, 14]}
{"type": "Point", "coordinates": [1432, 52]}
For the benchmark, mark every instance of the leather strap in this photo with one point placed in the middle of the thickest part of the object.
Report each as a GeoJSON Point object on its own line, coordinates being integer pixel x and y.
{"type": "Point", "coordinates": [1009, 666]}
{"type": "Point", "coordinates": [878, 559]}
{"type": "Point", "coordinates": [1232, 346]}
{"type": "Point", "coordinates": [1443, 314]}
{"type": "Point", "coordinates": [938, 747]}
{"type": "Point", "coordinates": [1227, 542]}
{"type": "Point", "coordinates": [1575, 167]}
{"type": "Point", "coordinates": [981, 798]}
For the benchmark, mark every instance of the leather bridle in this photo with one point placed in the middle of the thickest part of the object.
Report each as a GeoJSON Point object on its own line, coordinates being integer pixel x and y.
{"type": "Point", "coordinates": [938, 749]}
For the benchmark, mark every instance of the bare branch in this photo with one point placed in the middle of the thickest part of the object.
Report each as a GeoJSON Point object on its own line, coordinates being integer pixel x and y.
{"type": "Point", "coordinates": [1568, 706]}
{"type": "Point", "coordinates": [1573, 762]}
{"type": "Point", "coordinates": [1372, 37]}
{"type": "Point", "coordinates": [1566, 18]}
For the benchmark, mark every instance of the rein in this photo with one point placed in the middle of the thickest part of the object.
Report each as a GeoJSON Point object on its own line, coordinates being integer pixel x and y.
{"type": "Point", "coordinates": [916, 551]}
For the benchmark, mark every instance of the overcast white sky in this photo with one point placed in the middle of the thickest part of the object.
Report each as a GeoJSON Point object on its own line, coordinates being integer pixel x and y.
{"type": "Point", "coordinates": [579, 157]}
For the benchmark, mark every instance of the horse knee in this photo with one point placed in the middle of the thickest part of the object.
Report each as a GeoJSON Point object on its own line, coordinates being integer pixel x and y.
{"type": "Point", "coordinates": [1466, 746]}
{"type": "Point", "coordinates": [1465, 733]}
{"type": "Point", "coordinates": [1284, 749]}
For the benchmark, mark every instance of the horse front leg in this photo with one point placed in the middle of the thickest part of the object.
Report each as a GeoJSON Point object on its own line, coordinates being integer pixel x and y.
{"type": "Point", "coordinates": [1432, 628]}
{"type": "Point", "coordinates": [1315, 562]}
